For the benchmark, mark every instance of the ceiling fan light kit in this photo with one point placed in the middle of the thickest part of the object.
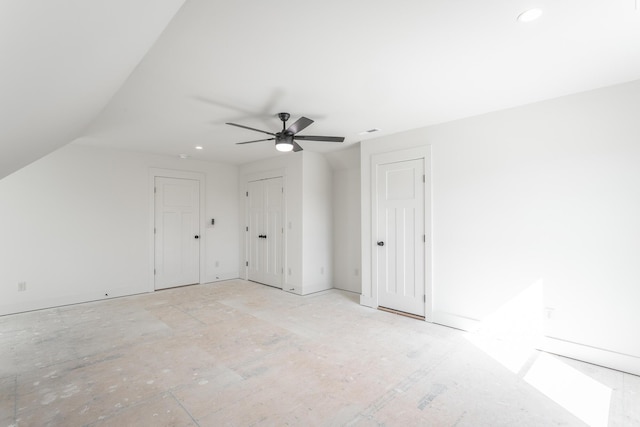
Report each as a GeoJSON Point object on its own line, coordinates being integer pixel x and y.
{"type": "Point", "coordinates": [285, 139]}
{"type": "Point", "coordinates": [284, 144]}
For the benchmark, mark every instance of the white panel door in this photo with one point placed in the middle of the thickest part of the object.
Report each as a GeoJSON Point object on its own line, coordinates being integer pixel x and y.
{"type": "Point", "coordinates": [273, 235]}
{"type": "Point", "coordinates": [255, 242]}
{"type": "Point", "coordinates": [177, 225]}
{"type": "Point", "coordinates": [265, 232]}
{"type": "Point", "coordinates": [399, 257]}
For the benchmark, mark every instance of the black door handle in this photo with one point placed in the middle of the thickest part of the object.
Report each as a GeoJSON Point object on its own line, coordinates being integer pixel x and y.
{"type": "Point", "coordinates": [196, 237]}
{"type": "Point", "coordinates": [380, 243]}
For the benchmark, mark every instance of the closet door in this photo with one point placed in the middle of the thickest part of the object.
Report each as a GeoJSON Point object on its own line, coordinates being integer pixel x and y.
{"type": "Point", "coordinates": [255, 242]}
{"type": "Point", "coordinates": [265, 231]}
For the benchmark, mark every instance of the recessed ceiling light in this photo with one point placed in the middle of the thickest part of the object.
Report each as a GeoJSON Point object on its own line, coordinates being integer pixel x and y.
{"type": "Point", "coordinates": [369, 131]}
{"type": "Point", "coordinates": [198, 147]}
{"type": "Point", "coordinates": [530, 15]}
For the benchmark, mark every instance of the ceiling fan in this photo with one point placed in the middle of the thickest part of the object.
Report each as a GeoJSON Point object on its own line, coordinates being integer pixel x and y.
{"type": "Point", "coordinates": [285, 139]}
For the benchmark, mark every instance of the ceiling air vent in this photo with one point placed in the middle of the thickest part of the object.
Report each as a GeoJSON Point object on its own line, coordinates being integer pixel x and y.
{"type": "Point", "coordinates": [369, 131]}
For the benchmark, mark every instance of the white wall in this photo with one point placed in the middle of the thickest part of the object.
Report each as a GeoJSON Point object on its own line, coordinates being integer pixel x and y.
{"type": "Point", "coordinates": [75, 226]}
{"type": "Point", "coordinates": [346, 218]}
{"type": "Point", "coordinates": [317, 199]}
{"type": "Point", "coordinates": [540, 201]}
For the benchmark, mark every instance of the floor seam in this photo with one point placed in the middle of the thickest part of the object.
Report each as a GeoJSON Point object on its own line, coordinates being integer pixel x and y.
{"type": "Point", "coordinates": [184, 409]}
{"type": "Point", "coordinates": [189, 314]}
{"type": "Point", "coordinates": [15, 398]}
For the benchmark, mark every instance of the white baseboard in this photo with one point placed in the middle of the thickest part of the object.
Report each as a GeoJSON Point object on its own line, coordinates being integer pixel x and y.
{"type": "Point", "coordinates": [586, 353]}
{"type": "Point", "coordinates": [598, 356]}
{"type": "Point", "coordinates": [217, 277]}
{"type": "Point", "coordinates": [456, 321]}
{"type": "Point", "coordinates": [60, 301]}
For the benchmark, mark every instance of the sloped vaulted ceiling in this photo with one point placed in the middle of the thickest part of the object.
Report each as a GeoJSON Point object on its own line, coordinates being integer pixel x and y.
{"type": "Point", "coordinates": [72, 70]}
{"type": "Point", "coordinates": [353, 65]}
{"type": "Point", "coordinates": [61, 61]}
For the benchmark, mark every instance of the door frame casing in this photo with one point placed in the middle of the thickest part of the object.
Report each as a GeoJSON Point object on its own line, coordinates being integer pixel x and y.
{"type": "Point", "coordinates": [423, 153]}
{"type": "Point", "coordinates": [259, 176]}
{"type": "Point", "coordinates": [279, 283]}
{"type": "Point", "coordinates": [171, 173]}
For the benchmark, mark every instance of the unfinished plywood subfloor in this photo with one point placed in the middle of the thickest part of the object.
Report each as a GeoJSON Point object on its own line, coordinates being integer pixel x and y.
{"type": "Point", "coordinates": [237, 353]}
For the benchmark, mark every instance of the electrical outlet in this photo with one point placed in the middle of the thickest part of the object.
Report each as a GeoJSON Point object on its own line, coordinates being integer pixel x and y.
{"type": "Point", "coordinates": [22, 286]}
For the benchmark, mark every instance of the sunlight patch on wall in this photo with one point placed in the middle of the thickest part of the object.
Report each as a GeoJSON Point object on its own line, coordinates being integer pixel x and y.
{"type": "Point", "coordinates": [511, 336]}
{"type": "Point", "coordinates": [511, 333]}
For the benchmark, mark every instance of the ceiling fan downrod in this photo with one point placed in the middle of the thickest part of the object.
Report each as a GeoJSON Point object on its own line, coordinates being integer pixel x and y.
{"type": "Point", "coordinates": [284, 117]}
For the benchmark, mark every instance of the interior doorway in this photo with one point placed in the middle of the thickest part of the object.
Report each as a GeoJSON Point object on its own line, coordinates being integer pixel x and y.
{"type": "Point", "coordinates": [176, 232]}
{"type": "Point", "coordinates": [399, 233]}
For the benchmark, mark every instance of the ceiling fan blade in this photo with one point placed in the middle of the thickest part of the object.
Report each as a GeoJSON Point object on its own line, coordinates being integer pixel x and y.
{"type": "Point", "coordinates": [247, 127]}
{"type": "Point", "coordinates": [296, 147]}
{"type": "Point", "coordinates": [299, 124]}
{"type": "Point", "coordinates": [320, 138]}
{"type": "Point", "coordinates": [257, 140]}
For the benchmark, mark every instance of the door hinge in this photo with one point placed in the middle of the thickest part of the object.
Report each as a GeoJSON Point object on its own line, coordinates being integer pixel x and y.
{"type": "Point", "coordinates": [247, 194]}
{"type": "Point", "coordinates": [154, 230]}
{"type": "Point", "coordinates": [282, 190]}
{"type": "Point", "coordinates": [247, 228]}
{"type": "Point", "coordinates": [154, 271]}
{"type": "Point", "coordinates": [246, 264]}
{"type": "Point", "coordinates": [424, 178]}
{"type": "Point", "coordinates": [424, 298]}
{"type": "Point", "coordinates": [155, 190]}
{"type": "Point", "coordinates": [424, 238]}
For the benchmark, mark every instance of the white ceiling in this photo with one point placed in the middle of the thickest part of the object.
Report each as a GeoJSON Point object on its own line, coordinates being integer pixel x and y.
{"type": "Point", "coordinates": [61, 61]}
{"type": "Point", "coordinates": [350, 65]}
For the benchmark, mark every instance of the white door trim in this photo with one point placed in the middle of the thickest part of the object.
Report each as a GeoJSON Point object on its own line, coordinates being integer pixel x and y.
{"type": "Point", "coordinates": [170, 173]}
{"type": "Point", "coordinates": [423, 153]}
{"type": "Point", "coordinates": [263, 278]}
{"type": "Point", "coordinates": [257, 176]}
{"type": "Point", "coordinates": [283, 249]}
